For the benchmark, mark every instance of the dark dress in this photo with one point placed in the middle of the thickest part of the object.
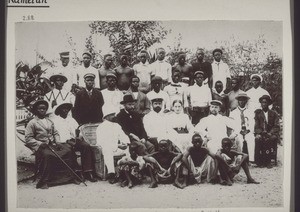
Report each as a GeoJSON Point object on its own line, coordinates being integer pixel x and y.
{"type": "Point", "coordinates": [50, 168]}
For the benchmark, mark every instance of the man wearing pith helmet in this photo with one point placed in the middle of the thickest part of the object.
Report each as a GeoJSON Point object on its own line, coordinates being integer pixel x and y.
{"type": "Point", "coordinates": [244, 120]}
{"type": "Point", "coordinates": [256, 92]}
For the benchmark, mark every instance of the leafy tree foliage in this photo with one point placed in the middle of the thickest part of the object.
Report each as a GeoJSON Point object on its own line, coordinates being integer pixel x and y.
{"type": "Point", "coordinates": [129, 37]}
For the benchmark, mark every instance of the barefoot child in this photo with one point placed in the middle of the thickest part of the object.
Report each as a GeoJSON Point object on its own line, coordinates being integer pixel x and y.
{"type": "Point", "coordinates": [130, 167]}
{"type": "Point", "coordinates": [163, 165]}
{"type": "Point", "coordinates": [196, 160]}
{"type": "Point", "coordinates": [230, 163]}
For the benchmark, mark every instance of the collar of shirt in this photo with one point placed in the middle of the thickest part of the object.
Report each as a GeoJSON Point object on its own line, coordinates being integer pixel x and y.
{"type": "Point", "coordinates": [175, 84]}
{"type": "Point", "coordinates": [128, 113]}
{"type": "Point", "coordinates": [220, 94]}
{"type": "Point", "coordinates": [218, 63]}
{"type": "Point", "coordinates": [242, 109]}
{"type": "Point", "coordinates": [144, 64]}
{"type": "Point", "coordinates": [89, 92]}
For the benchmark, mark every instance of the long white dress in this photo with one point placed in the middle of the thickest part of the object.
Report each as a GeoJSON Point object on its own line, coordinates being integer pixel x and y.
{"type": "Point", "coordinates": [181, 130]}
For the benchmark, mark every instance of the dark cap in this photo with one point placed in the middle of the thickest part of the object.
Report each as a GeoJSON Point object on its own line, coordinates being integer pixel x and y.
{"type": "Point", "coordinates": [89, 75]}
{"type": "Point", "coordinates": [216, 102]}
{"type": "Point", "coordinates": [64, 54]}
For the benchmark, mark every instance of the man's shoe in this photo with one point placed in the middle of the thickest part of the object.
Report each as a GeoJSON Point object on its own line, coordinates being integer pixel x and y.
{"type": "Point", "coordinates": [113, 180]}
{"type": "Point", "coordinates": [80, 175]}
{"type": "Point", "coordinates": [89, 176]}
{"type": "Point", "coordinates": [75, 181]}
{"type": "Point", "coordinates": [42, 185]}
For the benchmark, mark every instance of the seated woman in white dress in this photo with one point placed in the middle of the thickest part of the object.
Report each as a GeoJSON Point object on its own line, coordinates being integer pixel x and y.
{"type": "Point", "coordinates": [182, 126]}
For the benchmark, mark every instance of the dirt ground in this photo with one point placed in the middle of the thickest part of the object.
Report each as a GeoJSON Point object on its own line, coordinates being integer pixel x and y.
{"type": "Point", "coordinates": [103, 195]}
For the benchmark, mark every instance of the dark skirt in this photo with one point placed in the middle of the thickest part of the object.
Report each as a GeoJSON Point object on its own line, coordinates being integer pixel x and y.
{"type": "Point", "coordinates": [51, 169]}
{"type": "Point", "coordinates": [265, 148]}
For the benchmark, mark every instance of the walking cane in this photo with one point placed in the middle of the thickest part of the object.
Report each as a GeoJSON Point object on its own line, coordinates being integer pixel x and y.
{"type": "Point", "coordinates": [52, 150]}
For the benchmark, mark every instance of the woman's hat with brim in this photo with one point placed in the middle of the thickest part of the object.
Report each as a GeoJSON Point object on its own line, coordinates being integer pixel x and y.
{"type": "Point", "coordinates": [128, 98]}
{"type": "Point", "coordinates": [39, 102]}
{"type": "Point", "coordinates": [242, 96]}
{"type": "Point", "coordinates": [55, 76]}
{"type": "Point", "coordinates": [267, 97]}
{"type": "Point", "coordinates": [61, 106]}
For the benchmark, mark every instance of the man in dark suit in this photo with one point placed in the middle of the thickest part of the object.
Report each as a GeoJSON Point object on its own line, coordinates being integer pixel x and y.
{"type": "Point", "coordinates": [88, 103]}
{"type": "Point", "coordinates": [132, 124]}
{"type": "Point", "coordinates": [143, 104]}
{"type": "Point", "coordinates": [266, 131]}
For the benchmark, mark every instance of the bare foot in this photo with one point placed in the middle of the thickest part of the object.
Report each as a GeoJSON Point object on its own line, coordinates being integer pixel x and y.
{"type": "Point", "coordinates": [229, 183]}
{"type": "Point", "coordinates": [130, 184]}
{"type": "Point", "coordinates": [124, 183]}
{"type": "Point", "coordinates": [153, 184]}
{"type": "Point", "coordinates": [252, 181]}
{"type": "Point", "coordinates": [178, 185]}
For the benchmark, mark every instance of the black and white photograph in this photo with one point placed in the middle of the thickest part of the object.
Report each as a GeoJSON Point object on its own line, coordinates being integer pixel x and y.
{"type": "Point", "coordinates": [150, 114]}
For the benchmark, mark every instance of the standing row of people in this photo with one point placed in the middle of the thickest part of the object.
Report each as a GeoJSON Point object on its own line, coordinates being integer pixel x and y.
{"type": "Point", "coordinates": [218, 70]}
{"type": "Point", "coordinates": [178, 103]}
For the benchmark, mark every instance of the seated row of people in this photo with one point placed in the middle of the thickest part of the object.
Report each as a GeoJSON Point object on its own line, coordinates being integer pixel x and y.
{"type": "Point", "coordinates": [164, 164]}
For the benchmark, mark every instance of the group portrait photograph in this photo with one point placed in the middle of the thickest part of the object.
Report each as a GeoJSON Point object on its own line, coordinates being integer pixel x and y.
{"type": "Point", "coordinates": [149, 114]}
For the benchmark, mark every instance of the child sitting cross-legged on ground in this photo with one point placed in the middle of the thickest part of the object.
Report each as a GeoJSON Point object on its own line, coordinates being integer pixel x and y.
{"type": "Point", "coordinates": [196, 161]}
{"type": "Point", "coordinates": [131, 167]}
{"type": "Point", "coordinates": [230, 163]}
{"type": "Point", "coordinates": [164, 165]}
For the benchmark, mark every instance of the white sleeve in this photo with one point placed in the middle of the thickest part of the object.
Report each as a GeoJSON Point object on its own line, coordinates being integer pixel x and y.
{"type": "Point", "coordinates": [209, 96]}
{"type": "Point", "coordinates": [186, 94]}
{"type": "Point", "coordinates": [201, 128]}
{"type": "Point", "coordinates": [227, 71]}
{"type": "Point", "coordinates": [167, 100]}
{"type": "Point", "coordinates": [123, 138]}
{"type": "Point", "coordinates": [169, 73]}
{"type": "Point", "coordinates": [97, 80]}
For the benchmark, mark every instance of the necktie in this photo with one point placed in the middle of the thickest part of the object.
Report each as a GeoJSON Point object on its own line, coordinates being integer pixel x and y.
{"type": "Point", "coordinates": [176, 85]}
{"type": "Point", "coordinates": [90, 93]}
{"type": "Point", "coordinates": [243, 123]}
